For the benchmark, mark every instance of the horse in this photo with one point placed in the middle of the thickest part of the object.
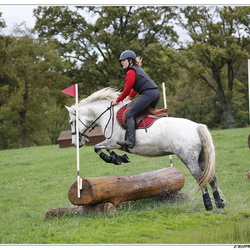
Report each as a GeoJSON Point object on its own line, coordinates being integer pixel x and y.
{"type": "Point", "coordinates": [188, 140]}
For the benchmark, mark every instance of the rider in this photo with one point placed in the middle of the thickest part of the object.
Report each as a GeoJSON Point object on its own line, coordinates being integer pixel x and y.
{"type": "Point", "coordinates": [137, 81]}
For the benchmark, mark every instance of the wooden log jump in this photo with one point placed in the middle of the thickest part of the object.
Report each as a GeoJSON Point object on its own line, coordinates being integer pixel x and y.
{"type": "Point", "coordinates": [117, 189]}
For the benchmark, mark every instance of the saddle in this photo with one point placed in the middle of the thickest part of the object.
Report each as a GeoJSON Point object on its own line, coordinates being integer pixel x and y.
{"type": "Point", "coordinates": [144, 119]}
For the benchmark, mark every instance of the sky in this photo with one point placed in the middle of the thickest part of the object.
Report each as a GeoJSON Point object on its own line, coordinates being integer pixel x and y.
{"type": "Point", "coordinates": [14, 13]}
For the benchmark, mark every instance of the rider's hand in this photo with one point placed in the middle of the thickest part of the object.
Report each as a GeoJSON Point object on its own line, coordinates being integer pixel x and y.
{"type": "Point", "coordinates": [114, 103]}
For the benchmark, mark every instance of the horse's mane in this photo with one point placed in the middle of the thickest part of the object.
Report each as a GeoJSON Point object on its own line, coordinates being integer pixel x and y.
{"type": "Point", "coordinates": [106, 93]}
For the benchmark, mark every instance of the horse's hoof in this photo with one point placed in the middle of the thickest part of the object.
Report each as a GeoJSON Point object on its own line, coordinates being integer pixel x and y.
{"type": "Point", "coordinates": [210, 208]}
{"type": "Point", "coordinates": [124, 158]}
{"type": "Point", "coordinates": [117, 161]}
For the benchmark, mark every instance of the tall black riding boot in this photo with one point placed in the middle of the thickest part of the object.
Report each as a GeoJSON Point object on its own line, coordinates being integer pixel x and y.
{"type": "Point", "coordinates": [130, 138]}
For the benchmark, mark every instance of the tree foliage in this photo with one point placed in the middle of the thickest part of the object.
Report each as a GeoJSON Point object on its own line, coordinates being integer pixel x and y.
{"type": "Point", "coordinates": [31, 77]}
{"type": "Point", "coordinates": [2, 22]}
{"type": "Point", "coordinates": [206, 77]}
{"type": "Point", "coordinates": [220, 38]}
{"type": "Point", "coordinates": [95, 45]}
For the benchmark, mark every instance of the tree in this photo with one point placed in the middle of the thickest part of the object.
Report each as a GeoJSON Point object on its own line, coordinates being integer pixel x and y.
{"type": "Point", "coordinates": [220, 36]}
{"type": "Point", "coordinates": [32, 77]}
{"type": "Point", "coordinates": [194, 101]}
{"type": "Point", "coordinates": [2, 22]}
{"type": "Point", "coordinates": [95, 45]}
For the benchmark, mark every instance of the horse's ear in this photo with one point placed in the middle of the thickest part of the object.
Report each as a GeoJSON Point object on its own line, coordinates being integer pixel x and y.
{"type": "Point", "coordinates": [71, 110]}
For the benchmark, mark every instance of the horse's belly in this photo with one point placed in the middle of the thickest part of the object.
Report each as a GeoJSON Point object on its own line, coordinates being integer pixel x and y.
{"type": "Point", "coordinates": [150, 153]}
{"type": "Point", "coordinates": [168, 136]}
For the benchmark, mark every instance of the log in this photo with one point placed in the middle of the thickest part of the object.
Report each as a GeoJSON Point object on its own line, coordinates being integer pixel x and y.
{"type": "Point", "coordinates": [107, 208]}
{"type": "Point", "coordinates": [117, 189]}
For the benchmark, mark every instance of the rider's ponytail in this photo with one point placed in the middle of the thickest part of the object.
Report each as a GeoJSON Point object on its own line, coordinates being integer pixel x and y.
{"type": "Point", "coordinates": [138, 61]}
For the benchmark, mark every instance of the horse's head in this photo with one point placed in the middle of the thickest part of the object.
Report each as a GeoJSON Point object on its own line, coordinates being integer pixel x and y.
{"type": "Point", "coordinates": [91, 109]}
{"type": "Point", "coordinates": [83, 126]}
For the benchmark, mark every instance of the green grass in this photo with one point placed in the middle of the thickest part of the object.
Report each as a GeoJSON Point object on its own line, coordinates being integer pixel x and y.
{"type": "Point", "coordinates": [34, 180]}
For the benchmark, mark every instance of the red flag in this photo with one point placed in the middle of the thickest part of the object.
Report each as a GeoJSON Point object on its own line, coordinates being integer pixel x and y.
{"type": "Point", "coordinates": [70, 91]}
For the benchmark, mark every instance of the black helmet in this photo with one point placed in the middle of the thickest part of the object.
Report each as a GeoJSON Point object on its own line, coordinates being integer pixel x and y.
{"type": "Point", "coordinates": [127, 54]}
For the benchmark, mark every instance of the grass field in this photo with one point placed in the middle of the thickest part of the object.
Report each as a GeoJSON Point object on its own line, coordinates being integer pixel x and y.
{"type": "Point", "coordinates": [34, 180]}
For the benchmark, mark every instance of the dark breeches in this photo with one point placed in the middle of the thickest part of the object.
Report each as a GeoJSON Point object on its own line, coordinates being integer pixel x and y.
{"type": "Point", "coordinates": [149, 97]}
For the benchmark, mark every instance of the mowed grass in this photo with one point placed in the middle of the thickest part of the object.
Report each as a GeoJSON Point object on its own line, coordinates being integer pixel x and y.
{"type": "Point", "coordinates": [34, 180]}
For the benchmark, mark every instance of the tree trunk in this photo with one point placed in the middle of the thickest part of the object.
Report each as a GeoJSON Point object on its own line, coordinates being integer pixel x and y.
{"type": "Point", "coordinates": [23, 118]}
{"type": "Point", "coordinates": [116, 189]}
{"type": "Point", "coordinates": [225, 101]}
{"type": "Point", "coordinates": [228, 118]}
{"type": "Point", "coordinates": [23, 129]}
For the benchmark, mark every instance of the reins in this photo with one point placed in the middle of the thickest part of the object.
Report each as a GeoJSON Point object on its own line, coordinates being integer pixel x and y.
{"type": "Point", "coordinates": [111, 116]}
{"type": "Point", "coordinates": [93, 124]}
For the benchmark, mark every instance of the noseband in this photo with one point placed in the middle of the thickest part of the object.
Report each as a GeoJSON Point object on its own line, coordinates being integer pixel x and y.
{"type": "Point", "coordinates": [93, 124]}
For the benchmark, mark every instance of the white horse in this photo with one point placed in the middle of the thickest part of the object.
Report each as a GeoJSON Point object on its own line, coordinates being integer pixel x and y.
{"type": "Point", "coordinates": [190, 141]}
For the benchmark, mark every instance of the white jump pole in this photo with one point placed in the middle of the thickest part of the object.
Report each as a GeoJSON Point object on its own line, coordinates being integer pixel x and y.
{"type": "Point", "coordinates": [165, 106]}
{"type": "Point", "coordinates": [79, 180]}
{"type": "Point", "coordinates": [73, 91]}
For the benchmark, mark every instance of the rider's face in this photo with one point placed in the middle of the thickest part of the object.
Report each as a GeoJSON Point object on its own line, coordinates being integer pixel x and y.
{"type": "Point", "coordinates": [125, 63]}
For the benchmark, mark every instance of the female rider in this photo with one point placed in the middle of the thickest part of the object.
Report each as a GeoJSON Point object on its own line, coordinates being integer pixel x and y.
{"type": "Point", "coordinates": [137, 81]}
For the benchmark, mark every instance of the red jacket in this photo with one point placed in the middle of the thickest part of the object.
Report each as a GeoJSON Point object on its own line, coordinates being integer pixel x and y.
{"type": "Point", "coordinates": [129, 83]}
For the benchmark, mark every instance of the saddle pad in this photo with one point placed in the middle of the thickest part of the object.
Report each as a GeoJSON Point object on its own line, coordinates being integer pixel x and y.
{"type": "Point", "coordinates": [148, 121]}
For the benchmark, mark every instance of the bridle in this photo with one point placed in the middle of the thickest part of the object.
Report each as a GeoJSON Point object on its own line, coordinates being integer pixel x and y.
{"type": "Point", "coordinates": [93, 124]}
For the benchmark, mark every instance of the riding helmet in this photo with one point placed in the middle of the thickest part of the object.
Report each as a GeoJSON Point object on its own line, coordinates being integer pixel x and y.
{"type": "Point", "coordinates": [127, 54]}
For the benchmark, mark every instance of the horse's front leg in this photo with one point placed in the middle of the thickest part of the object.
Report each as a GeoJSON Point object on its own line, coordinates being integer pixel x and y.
{"type": "Point", "coordinates": [113, 158]}
{"type": "Point", "coordinates": [109, 159]}
{"type": "Point", "coordinates": [124, 158]}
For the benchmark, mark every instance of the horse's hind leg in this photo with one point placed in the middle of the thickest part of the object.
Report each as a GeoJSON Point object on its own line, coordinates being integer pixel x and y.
{"type": "Point", "coordinates": [196, 172]}
{"type": "Point", "coordinates": [213, 183]}
{"type": "Point", "coordinates": [206, 199]}
{"type": "Point", "coordinates": [218, 201]}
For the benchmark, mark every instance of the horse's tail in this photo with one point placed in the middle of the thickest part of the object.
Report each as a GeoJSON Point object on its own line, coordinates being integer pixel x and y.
{"type": "Point", "coordinates": [209, 156]}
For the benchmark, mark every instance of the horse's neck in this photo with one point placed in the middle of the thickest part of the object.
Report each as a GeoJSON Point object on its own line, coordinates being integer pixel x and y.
{"type": "Point", "coordinates": [101, 106]}
{"type": "Point", "coordinates": [98, 108]}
